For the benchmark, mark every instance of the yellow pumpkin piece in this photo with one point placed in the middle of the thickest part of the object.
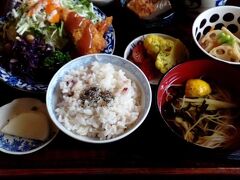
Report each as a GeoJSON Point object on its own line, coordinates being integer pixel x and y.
{"type": "Point", "coordinates": [197, 88]}
{"type": "Point", "coordinates": [166, 52]}
{"type": "Point", "coordinates": [153, 44]}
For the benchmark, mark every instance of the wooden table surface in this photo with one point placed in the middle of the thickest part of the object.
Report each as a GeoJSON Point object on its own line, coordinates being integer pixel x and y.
{"type": "Point", "coordinates": [150, 150]}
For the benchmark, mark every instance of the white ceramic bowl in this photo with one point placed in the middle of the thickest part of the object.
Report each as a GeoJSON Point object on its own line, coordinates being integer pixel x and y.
{"type": "Point", "coordinates": [132, 72]}
{"type": "Point", "coordinates": [101, 2]}
{"type": "Point", "coordinates": [216, 17]}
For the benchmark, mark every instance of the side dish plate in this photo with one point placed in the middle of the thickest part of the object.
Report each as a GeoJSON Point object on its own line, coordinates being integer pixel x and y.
{"type": "Point", "coordinates": [19, 146]}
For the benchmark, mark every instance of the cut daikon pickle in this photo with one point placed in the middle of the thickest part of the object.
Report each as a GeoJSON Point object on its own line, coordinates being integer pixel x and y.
{"type": "Point", "coordinates": [19, 106]}
{"type": "Point", "coordinates": [31, 125]}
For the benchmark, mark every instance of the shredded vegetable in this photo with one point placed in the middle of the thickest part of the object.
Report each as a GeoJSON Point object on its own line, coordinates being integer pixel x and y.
{"type": "Point", "coordinates": [43, 21]}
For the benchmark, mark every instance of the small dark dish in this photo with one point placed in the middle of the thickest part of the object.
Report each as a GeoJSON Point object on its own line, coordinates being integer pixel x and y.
{"type": "Point", "coordinates": [217, 73]}
{"type": "Point", "coordinates": [149, 14]}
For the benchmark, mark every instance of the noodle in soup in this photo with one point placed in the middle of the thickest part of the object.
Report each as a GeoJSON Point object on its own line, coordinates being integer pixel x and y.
{"type": "Point", "coordinates": [208, 121]}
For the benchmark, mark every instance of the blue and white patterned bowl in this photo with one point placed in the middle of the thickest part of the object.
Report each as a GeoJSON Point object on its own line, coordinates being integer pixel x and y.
{"type": "Point", "coordinates": [110, 34]}
{"type": "Point", "coordinates": [20, 146]}
{"type": "Point", "coordinates": [19, 83]}
{"type": "Point", "coordinates": [132, 72]}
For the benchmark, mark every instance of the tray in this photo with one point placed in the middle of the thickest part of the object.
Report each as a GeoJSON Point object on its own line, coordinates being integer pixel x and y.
{"type": "Point", "coordinates": [151, 150]}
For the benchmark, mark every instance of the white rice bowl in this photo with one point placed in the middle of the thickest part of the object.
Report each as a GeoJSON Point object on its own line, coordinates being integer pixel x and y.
{"type": "Point", "coordinates": [92, 116]}
{"type": "Point", "coordinates": [98, 101]}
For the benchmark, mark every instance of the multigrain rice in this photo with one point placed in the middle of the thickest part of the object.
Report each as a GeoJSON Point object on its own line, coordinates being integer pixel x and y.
{"type": "Point", "coordinates": [98, 101]}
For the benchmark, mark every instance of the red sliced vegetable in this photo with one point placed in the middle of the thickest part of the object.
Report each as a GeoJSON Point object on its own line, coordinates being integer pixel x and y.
{"type": "Point", "coordinates": [144, 61]}
{"type": "Point", "coordinates": [138, 53]}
